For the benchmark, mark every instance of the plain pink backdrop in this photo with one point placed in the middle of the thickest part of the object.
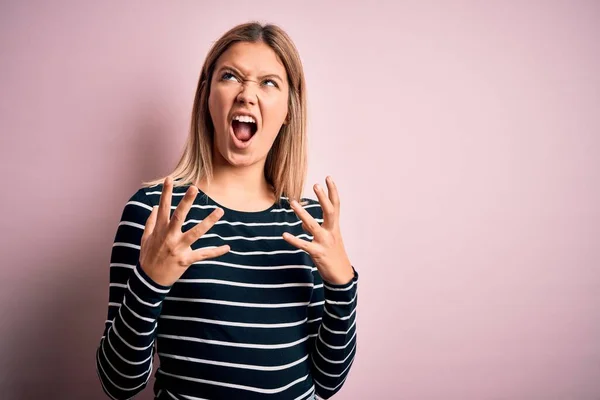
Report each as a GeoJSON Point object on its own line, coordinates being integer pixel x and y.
{"type": "Point", "coordinates": [464, 137]}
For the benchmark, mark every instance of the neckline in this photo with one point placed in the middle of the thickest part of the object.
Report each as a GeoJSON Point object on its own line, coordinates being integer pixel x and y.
{"type": "Point", "coordinates": [230, 211]}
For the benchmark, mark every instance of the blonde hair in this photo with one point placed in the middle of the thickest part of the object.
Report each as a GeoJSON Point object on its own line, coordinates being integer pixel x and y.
{"type": "Point", "coordinates": [286, 164]}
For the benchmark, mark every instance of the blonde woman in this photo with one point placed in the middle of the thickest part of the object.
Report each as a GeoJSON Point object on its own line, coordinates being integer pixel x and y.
{"type": "Point", "coordinates": [241, 286]}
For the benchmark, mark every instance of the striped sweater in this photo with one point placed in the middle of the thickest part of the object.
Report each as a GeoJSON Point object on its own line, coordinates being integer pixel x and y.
{"type": "Point", "coordinates": [255, 323]}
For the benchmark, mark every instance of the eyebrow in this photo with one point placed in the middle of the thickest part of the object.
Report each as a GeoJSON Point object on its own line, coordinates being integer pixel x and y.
{"type": "Point", "coordinates": [237, 71]}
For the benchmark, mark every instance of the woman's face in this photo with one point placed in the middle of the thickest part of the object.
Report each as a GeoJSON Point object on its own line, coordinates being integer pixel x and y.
{"type": "Point", "coordinates": [248, 102]}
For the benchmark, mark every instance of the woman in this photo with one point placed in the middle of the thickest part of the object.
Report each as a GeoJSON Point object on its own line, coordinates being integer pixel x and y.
{"type": "Point", "coordinates": [244, 287]}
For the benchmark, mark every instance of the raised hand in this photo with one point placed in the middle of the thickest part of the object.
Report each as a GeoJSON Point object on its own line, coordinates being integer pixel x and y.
{"type": "Point", "coordinates": [166, 251]}
{"type": "Point", "coordinates": [327, 248]}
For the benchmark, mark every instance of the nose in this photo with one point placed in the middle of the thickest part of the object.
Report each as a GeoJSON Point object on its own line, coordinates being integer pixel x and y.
{"type": "Point", "coordinates": [247, 95]}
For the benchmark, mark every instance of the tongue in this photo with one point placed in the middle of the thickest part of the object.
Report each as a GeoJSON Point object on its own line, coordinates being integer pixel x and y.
{"type": "Point", "coordinates": [242, 130]}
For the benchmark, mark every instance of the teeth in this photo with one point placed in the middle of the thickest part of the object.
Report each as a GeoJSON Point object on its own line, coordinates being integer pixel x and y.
{"type": "Point", "coordinates": [244, 118]}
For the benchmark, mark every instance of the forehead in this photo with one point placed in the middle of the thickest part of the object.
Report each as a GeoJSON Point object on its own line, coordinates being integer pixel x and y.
{"type": "Point", "coordinates": [252, 59]}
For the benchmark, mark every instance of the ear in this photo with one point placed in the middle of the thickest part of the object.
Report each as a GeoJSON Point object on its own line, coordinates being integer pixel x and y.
{"type": "Point", "coordinates": [287, 119]}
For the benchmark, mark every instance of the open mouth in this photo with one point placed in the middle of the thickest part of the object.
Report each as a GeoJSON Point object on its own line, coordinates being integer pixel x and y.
{"type": "Point", "coordinates": [243, 130]}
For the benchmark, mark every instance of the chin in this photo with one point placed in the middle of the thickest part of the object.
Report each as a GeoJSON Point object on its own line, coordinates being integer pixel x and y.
{"type": "Point", "coordinates": [240, 160]}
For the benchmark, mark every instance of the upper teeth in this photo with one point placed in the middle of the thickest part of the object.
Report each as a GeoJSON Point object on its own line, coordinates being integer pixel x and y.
{"type": "Point", "coordinates": [244, 118]}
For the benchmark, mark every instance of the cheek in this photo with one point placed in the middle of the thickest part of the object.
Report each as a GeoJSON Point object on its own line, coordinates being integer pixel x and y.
{"type": "Point", "coordinates": [211, 107]}
{"type": "Point", "coordinates": [218, 105]}
{"type": "Point", "coordinates": [277, 110]}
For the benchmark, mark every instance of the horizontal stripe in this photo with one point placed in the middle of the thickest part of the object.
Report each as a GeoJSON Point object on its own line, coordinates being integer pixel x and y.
{"type": "Point", "coordinates": [291, 210]}
{"type": "Point", "coordinates": [147, 319]}
{"type": "Point", "coordinates": [343, 361]}
{"type": "Point", "coordinates": [114, 330]}
{"type": "Point", "coordinates": [337, 347]}
{"type": "Point", "coordinates": [344, 318]}
{"type": "Point", "coordinates": [331, 375]}
{"type": "Point", "coordinates": [343, 303]}
{"type": "Point", "coordinates": [121, 265]}
{"type": "Point", "coordinates": [251, 238]}
{"type": "Point", "coordinates": [330, 388]}
{"type": "Point", "coordinates": [191, 397]}
{"type": "Point", "coordinates": [148, 284]}
{"type": "Point", "coordinates": [133, 224]}
{"type": "Point", "coordinates": [242, 284]}
{"type": "Point", "coordinates": [235, 344]}
{"type": "Point", "coordinates": [306, 395]}
{"type": "Point", "coordinates": [235, 365]}
{"type": "Point", "coordinates": [139, 204]}
{"type": "Point", "coordinates": [149, 370]}
{"type": "Point", "coordinates": [133, 330]}
{"type": "Point", "coordinates": [156, 304]}
{"type": "Point", "coordinates": [338, 332]}
{"type": "Point", "coordinates": [237, 304]}
{"type": "Point", "coordinates": [342, 289]}
{"type": "Point", "coordinates": [130, 362]}
{"type": "Point", "coordinates": [254, 267]}
{"type": "Point", "coordinates": [117, 386]}
{"type": "Point", "coordinates": [238, 223]}
{"type": "Point", "coordinates": [119, 285]}
{"type": "Point", "coordinates": [234, 386]}
{"type": "Point", "coordinates": [266, 253]}
{"type": "Point", "coordinates": [232, 323]}
{"type": "Point", "coordinates": [123, 244]}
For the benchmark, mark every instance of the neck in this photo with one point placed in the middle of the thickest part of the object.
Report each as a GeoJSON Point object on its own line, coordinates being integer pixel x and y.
{"type": "Point", "coordinates": [246, 182]}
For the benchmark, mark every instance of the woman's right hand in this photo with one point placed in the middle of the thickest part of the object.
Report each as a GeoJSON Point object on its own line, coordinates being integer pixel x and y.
{"type": "Point", "coordinates": [166, 252]}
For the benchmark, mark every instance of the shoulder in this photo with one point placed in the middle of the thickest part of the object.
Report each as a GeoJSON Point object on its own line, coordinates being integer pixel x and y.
{"type": "Point", "coordinates": [150, 195]}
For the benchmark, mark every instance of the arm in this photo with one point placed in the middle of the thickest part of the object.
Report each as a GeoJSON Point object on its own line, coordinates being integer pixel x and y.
{"type": "Point", "coordinates": [124, 356]}
{"type": "Point", "coordinates": [332, 310]}
{"type": "Point", "coordinates": [332, 330]}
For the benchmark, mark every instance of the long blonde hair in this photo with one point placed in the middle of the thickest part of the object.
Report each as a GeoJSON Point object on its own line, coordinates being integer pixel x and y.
{"type": "Point", "coordinates": [286, 164]}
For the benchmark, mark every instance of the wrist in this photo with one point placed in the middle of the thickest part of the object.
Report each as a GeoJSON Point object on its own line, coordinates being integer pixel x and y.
{"type": "Point", "coordinates": [343, 277]}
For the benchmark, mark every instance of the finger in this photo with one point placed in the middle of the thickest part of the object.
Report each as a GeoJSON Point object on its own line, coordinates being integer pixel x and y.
{"type": "Point", "coordinates": [329, 214]}
{"type": "Point", "coordinates": [333, 193]}
{"type": "Point", "coordinates": [164, 206]}
{"type": "Point", "coordinates": [298, 243]}
{"type": "Point", "coordinates": [182, 210]}
{"type": "Point", "coordinates": [310, 224]}
{"type": "Point", "coordinates": [213, 252]}
{"type": "Point", "coordinates": [150, 224]}
{"type": "Point", "coordinates": [200, 229]}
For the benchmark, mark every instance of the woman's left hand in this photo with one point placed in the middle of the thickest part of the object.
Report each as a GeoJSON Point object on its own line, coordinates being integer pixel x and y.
{"type": "Point", "coordinates": [327, 248]}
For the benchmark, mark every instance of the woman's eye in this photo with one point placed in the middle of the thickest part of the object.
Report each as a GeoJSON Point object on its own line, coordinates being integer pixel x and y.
{"type": "Point", "coordinates": [272, 83]}
{"type": "Point", "coordinates": [228, 76]}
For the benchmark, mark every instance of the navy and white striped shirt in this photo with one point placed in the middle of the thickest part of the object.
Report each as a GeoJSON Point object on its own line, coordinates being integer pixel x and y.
{"type": "Point", "coordinates": [255, 323]}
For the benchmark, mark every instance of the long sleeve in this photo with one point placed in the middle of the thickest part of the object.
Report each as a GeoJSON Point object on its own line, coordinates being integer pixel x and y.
{"type": "Point", "coordinates": [332, 329]}
{"type": "Point", "coordinates": [124, 356]}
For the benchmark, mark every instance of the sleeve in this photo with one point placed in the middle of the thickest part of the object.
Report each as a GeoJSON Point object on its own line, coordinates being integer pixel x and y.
{"type": "Point", "coordinates": [332, 333]}
{"type": "Point", "coordinates": [124, 356]}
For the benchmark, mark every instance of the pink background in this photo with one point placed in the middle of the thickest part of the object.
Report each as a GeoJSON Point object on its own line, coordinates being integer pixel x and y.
{"type": "Point", "coordinates": [464, 137]}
